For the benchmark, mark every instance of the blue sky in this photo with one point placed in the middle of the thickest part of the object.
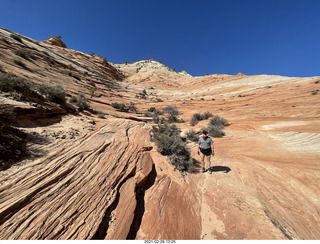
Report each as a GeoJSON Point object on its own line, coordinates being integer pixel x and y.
{"type": "Point", "coordinates": [276, 37]}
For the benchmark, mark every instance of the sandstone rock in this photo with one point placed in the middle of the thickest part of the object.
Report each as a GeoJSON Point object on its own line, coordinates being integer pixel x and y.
{"type": "Point", "coordinates": [56, 40]}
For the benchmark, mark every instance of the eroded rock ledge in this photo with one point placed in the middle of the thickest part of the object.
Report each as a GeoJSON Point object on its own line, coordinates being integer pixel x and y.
{"type": "Point", "coordinates": [81, 192]}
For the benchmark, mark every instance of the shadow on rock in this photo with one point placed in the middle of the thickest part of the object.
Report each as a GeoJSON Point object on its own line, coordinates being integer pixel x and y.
{"type": "Point", "coordinates": [220, 168]}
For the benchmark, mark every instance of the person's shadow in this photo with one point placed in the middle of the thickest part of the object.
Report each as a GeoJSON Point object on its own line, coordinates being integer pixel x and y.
{"type": "Point", "coordinates": [220, 168]}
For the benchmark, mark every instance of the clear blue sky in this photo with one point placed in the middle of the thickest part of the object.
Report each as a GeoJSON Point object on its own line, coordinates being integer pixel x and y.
{"type": "Point", "coordinates": [276, 37]}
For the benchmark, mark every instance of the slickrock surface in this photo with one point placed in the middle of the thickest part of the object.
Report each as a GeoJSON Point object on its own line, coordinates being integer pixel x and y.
{"type": "Point", "coordinates": [68, 193]}
{"type": "Point", "coordinates": [91, 178]}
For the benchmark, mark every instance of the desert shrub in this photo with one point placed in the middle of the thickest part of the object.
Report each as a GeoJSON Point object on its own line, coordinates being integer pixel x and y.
{"type": "Point", "coordinates": [100, 114]}
{"type": "Point", "coordinates": [10, 83]}
{"type": "Point", "coordinates": [53, 93]}
{"type": "Point", "coordinates": [76, 77]}
{"type": "Point", "coordinates": [142, 95]}
{"type": "Point", "coordinates": [159, 100]}
{"type": "Point", "coordinates": [23, 53]}
{"type": "Point", "coordinates": [218, 121]}
{"type": "Point", "coordinates": [194, 121]}
{"type": "Point", "coordinates": [166, 137]}
{"type": "Point", "coordinates": [215, 131]}
{"type": "Point", "coordinates": [172, 112]}
{"type": "Point", "coordinates": [168, 140]}
{"type": "Point", "coordinates": [119, 106]}
{"type": "Point", "coordinates": [192, 136]}
{"type": "Point", "coordinates": [91, 83]}
{"type": "Point", "coordinates": [157, 119]}
{"type": "Point", "coordinates": [80, 101]}
{"type": "Point", "coordinates": [27, 90]}
{"type": "Point", "coordinates": [148, 114]}
{"type": "Point", "coordinates": [20, 63]}
{"type": "Point", "coordinates": [68, 72]}
{"type": "Point", "coordinates": [216, 126]}
{"type": "Point", "coordinates": [49, 59]}
{"type": "Point", "coordinates": [198, 116]}
{"type": "Point", "coordinates": [16, 37]}
{"type": "Point", "coordinates": [92, 90]}
{"type": "Point", "coordinates": [153, 112]}
{"type": "Point", "coordinates": [206, 115]}
{"type": "Point", "coordinates": [132, 108]}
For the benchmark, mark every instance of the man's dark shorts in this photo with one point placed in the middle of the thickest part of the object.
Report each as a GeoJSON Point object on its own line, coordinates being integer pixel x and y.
{"type": "Point", "coordinates": [206, 152]}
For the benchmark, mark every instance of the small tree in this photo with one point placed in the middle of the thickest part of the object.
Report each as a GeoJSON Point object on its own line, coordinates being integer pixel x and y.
{"type": "Point", "coordinates": [80, 101]}
{"type": "Point", "coordinates": [172, 112]}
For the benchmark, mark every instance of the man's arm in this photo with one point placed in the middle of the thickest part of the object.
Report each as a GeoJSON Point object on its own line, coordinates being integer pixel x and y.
{"type": "Point", "coordinates": [212, 148]}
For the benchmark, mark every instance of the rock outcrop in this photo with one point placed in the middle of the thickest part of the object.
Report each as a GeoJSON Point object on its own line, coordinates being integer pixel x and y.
{"type": "Point", "coordinates": [74, 192]}
{"type": "Point", "coordinates": [149, 65]}
{"type": "Point", "coordinates": [56, 40]}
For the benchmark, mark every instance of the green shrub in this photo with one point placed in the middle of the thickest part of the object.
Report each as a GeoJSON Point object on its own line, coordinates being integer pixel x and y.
{"type": "Point", "coordinates": [80, 101]}
{"type": "Point", "coordinates": [218, 121]}
{"type": "Point", "coordinates": [153, 112]}
{"type": "Point", "coordinates": [216, 126]}
{"type": "Point", "coordinates": [48, 58]}
{"type": "Point", "coordinates": [119, 106]}
{"type": "Point", "coordinates": [16, 37]}
{"type": "Point", "coordinates": [100, 114]}
{"type": "Point", "coordinates": [192, 136]}
{"type": "Point", "coordinates": [53, 93]}
{"type": "Point", "coordinates": [30, 91]}
{"type": "Point", "coordinates": [206, 115]}
{"type": "Point", "coordinates": [141, 95]}
{"type": "Point", "coordinates": [215, 131]}
{"type": "Point", "coordinates": [91, 83]}
{"type": "Point", "coordinates": [10, 83]}
{"type": "Point", "coordinates": [172, 112]}
{"type": "Point", "coordinates": [68, 72]}
{"type": "Point", "coordinates": [23, 53]}
{"type": "Point", "coordinates": [198, 116]}
{"type": "Point", "coordinates": [168, 140]}
{"type": "Point", "coordinates": [148, 114]}
{"type": "Point", "coordinates": [132, 108]}
{"type": "Point", "coordinates": [159, 100]}
{"type": "Point", "coordinates": [194, 121]}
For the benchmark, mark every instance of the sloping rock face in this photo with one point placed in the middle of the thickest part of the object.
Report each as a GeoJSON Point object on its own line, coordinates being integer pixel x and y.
{"type": "Point", "coordinates": [73, 193]}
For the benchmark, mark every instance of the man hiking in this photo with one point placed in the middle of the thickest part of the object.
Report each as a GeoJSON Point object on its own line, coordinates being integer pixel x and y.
{"type": "Point", "coordinates": [206, 149]}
